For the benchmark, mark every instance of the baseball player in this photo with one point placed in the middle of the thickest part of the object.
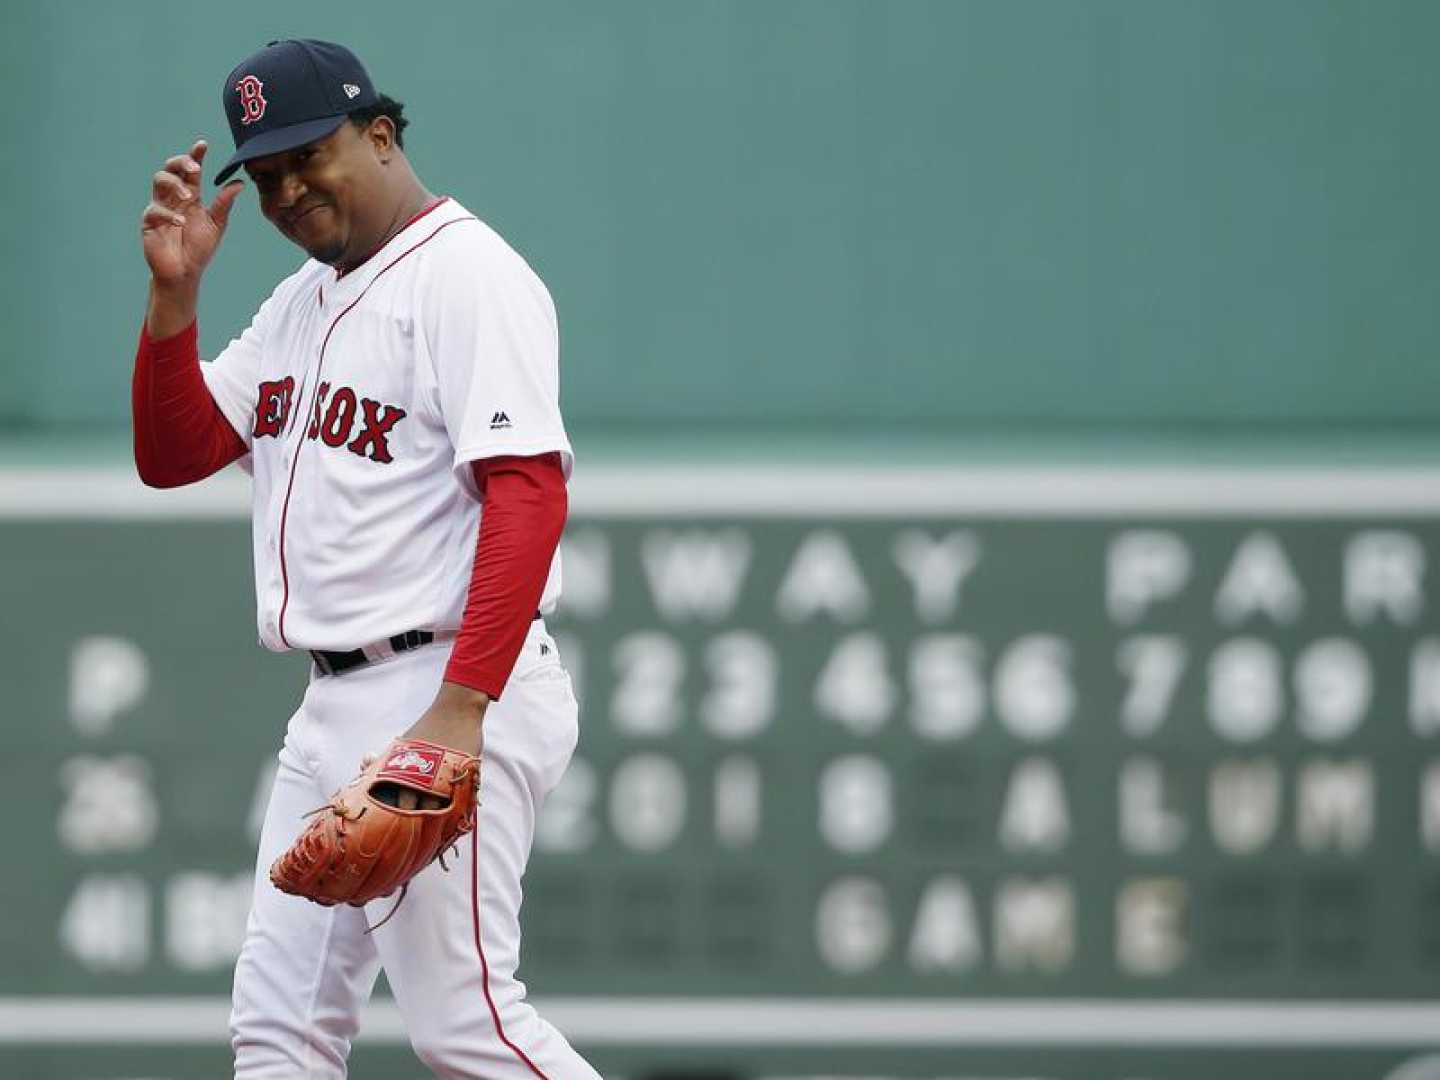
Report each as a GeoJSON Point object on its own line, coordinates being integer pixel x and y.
{"type": "Point", "coordinates": [396, 402]}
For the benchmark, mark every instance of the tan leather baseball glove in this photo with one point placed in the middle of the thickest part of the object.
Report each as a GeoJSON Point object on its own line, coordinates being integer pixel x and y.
{"type": "Point", "coordinates": [361, 846]}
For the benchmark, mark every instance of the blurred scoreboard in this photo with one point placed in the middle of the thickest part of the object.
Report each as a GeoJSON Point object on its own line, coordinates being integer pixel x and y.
{"type": "Point", "coordinates": [1111, 773]}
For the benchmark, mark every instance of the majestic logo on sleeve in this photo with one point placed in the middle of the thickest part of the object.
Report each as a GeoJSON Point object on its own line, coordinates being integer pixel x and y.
{"type": "Point", "coordinates": [252, 101]}
{"type": "Point", "coordinates": [343, 418]}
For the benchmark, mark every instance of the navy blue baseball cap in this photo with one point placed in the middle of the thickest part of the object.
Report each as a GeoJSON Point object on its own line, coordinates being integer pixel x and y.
{"type": "Point", "coordinates": [291, 93]}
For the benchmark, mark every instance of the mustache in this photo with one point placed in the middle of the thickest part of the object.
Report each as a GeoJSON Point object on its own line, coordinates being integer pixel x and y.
{"type": "Point", "coordinates": [290, 217]}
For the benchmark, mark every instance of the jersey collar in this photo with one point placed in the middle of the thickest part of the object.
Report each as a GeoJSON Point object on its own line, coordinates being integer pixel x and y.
{"type": "Point", "coordinates": [369, 260]}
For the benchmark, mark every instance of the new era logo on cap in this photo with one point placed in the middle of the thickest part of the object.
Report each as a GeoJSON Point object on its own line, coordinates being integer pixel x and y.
{"type": "Point", "coordinates": [291, 93]}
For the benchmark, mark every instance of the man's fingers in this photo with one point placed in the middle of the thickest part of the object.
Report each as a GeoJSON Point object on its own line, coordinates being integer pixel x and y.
{"type": "Point", "coordinates": [405, 799]}
{"type": "Point", "coordinates": [198, 150]}
{"type": "Point", "coordinates": [157, 216]}
{"type": "Point", "coordinates": [220, 211]}
{"type": "Point", "coordinates": [186, 167]}
{"type": "Point", "coordinates": [183, 165]}
{"type": "Point", "coordinates": [169, 190]}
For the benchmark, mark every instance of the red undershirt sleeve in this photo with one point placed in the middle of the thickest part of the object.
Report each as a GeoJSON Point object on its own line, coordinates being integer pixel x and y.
{"type": "Point", "coordinates": [180, 433]}
{"type": "Point", "coordinates": [525, 503]}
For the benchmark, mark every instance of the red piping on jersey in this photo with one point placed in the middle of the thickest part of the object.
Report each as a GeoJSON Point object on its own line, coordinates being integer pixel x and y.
{"type": "Point", "coordinates": [300, 445]}
{"type": "Point", "coordinates": [484, 966]}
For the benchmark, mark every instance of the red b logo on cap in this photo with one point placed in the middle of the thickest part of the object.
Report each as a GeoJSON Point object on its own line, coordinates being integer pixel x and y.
{"type": "Point", "coordinates": [252, 101]}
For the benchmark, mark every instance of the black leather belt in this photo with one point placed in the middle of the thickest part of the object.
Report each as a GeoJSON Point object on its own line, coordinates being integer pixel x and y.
{"type": "Point", "coordinates": [332, 663]}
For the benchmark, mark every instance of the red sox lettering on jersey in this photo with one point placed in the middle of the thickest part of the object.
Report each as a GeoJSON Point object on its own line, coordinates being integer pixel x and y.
{"type": "Point", "coordinates": [363, 398]}
{"type": "Point", "coordinates": [272, 406]}
{"type": "Point", "coordinates": [335, 417]}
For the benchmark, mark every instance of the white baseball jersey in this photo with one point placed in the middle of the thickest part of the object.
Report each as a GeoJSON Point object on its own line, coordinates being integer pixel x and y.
{"type": "Point", "coordinates": [362, 400]}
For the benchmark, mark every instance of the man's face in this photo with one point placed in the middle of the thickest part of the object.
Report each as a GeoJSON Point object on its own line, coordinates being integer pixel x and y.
{"type": "Point", "coordinates": [324, 195]}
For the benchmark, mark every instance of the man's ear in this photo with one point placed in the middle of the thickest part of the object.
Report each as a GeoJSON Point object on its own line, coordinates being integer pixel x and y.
{"type": "Point", "coordinates": [382, 134]}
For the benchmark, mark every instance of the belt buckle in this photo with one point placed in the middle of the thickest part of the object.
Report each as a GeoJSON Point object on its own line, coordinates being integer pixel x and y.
{"type": "Point", "coordinates": [411, 639]}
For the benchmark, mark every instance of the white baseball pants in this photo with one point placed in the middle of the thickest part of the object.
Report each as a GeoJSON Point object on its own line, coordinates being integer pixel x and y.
{"type": "Point", "coordinates": [451, 950]}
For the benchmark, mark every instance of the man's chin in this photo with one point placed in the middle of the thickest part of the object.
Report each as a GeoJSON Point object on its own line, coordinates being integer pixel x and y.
{"type": "Point", "coordinates": [329, 254]}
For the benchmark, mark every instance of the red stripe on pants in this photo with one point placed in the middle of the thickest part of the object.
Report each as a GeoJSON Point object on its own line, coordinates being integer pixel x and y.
{"type": "Point", "coordinates": [480, 949]}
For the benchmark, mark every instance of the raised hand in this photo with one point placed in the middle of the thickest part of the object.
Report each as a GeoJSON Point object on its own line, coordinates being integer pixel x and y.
{"type": "Point", "coordinates": [178, 232]}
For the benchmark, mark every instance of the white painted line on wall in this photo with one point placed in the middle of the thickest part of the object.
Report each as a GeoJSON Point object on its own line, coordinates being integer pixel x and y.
{"type": "Point", "coordinates": [730, 1021]}
{"type": "Point", "coordinates": [1002, 491]}
{"type": "Point", "coordinates": [115, 493]}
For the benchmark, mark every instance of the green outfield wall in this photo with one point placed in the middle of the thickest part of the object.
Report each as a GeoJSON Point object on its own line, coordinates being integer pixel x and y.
{"type": "Point", "coordinates": [1085, 773]}
{"type": "Point", "coordinates": [1001, 574]}
{"type": "Point", "coordinates": [813, 214]}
